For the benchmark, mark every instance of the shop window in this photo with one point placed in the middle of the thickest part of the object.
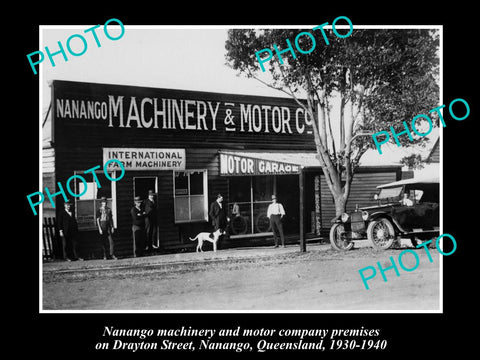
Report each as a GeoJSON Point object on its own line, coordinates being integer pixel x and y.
{"type": "Point", "coordinates": [190, 196]}
{"type": "Point", "coordinates": [86, 205]}
{"type": "Point", "coordinates": [262, 189]}
{"type": "Point", "coordinates": [240, 206]}
{"type": "Point", "coordinates": [249, 199]}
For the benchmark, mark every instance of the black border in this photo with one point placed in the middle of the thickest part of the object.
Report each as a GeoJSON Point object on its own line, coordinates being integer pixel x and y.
{"type": "Point", "coordinates": [60, 335]}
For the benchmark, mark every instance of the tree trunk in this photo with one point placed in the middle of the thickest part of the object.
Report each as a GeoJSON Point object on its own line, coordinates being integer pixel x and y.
{"type": "Point", "coordinates": [342, 122]}
{"type": "Point", "coordinates": [340, 204]}
{"type": "Point", "coordinates": [340, 196]}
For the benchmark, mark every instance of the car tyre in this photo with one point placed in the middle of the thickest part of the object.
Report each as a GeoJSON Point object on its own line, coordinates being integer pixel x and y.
{"type": "Point", "coordinates": [336, 238]}
{"type": "Point", "coordinates": [381, 233]}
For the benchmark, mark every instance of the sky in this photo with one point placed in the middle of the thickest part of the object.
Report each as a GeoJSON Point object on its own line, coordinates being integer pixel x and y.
{"type": "Point", "coordinates": [188, 58]}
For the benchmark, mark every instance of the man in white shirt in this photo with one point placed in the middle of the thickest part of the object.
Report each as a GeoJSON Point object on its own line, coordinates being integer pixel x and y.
{"type": "Point", "coordinates": [275, 213]}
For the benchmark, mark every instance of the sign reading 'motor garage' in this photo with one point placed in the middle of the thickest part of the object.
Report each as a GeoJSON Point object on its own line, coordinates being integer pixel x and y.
{"type": "Point", "coordinates": [236, 165]}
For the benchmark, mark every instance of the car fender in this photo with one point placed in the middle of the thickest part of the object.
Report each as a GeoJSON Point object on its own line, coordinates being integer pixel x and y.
{"type": "Point", "coordinates": [382, 214]}
{"type": "Point", "coordinates": [336, 219]}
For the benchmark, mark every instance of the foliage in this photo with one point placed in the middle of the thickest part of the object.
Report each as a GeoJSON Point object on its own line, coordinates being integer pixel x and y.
{"type": "Point", "coordinates": [413, 162]}
{"type": "Point", "coordinates": [381, 77]}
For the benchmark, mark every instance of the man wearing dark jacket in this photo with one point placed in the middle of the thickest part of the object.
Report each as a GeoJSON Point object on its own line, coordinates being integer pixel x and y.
{"type": "Point", "coordinates": [218, 214]}
{"type": "Point", "coordinates": [68, 228]}
{"type": "Point", "coordinates": [106, 229]}
{"type": "Point", "coordinates": [137, 213]}
{"type": "Point", "coordinates": [151, 222]}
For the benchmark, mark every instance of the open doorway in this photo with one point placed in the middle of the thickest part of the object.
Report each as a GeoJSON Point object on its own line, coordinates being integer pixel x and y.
{"type": "Point", "coordinates": [141, 187]}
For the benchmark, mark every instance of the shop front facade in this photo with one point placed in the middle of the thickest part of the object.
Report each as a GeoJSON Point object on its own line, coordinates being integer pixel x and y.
{"type": "Point", "coordinates": [187, 147]}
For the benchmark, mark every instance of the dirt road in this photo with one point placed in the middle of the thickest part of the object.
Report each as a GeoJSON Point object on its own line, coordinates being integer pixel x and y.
{"type": "Point", "coordinates": [320, 279]}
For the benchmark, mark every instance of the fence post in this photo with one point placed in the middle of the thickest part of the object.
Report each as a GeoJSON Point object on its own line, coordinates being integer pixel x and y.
{"type": "Point", "coordinates": [49, 238]}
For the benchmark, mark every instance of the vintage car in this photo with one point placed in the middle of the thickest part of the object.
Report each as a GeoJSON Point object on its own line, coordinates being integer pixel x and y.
{"type": "Point", "coordinates": [406, 208]}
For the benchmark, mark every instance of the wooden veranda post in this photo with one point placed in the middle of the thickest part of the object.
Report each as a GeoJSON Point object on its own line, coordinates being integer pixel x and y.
{"type": "Point", "coordinates": [301, 185]}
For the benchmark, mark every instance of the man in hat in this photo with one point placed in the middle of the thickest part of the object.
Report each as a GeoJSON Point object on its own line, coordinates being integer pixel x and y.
{"type": "Point", "coordinates": [275, 213]}
{"type": "Point", "coordinates": [137, 213]}
{"type": "Point", "coordinates": [218, 214]}
{"type": "Point", "coordinates": [68, 228]}
{"type": "Point", "coordinates": [151, 223]}
{"type": "Point", "coordinates": [105, 228]}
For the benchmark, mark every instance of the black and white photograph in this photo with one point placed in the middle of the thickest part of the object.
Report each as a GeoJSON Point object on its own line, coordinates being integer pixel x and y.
{"type": "Point", "coordinates": [209, 186]}
{"type": "Point", "coordinates": [220, 170]}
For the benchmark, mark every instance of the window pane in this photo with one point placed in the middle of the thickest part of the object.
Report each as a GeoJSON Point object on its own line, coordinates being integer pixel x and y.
{"type": "Point", "coordinates": [181, 209]}
{"type": "Point", "coordinates": [85, 214]}
{"type": "Point", "coordinates": [240, 222]}
{"type": "Point", "coordinates": [390, 192]}
{"type": "Point", "coordinates": [198, 207]}
{"type": "Point", "coordinates": [196, 183]}
{"type": "Point", "coordinates": [90, 191]}
{"type": "Point", "coordinates": [261, 221]}
{"type": "Point", "coordinates": [239, 189]}
{"type": "Point", "coordinates": [262, 188]}
{"type": "Point", "coordinates": [239, 207]}
{"type": "Point", "coordinates": [181, 183]}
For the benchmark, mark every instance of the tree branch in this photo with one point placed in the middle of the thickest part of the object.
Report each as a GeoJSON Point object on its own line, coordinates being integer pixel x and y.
{"type": "Point", "coordinates": [252, 75]}
{"type": "Point", "coordinates": [334, 151]}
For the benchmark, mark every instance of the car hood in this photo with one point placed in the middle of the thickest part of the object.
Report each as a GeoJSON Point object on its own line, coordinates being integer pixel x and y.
{"type": "Point", "coordinates": [378, 207]}
{"type": "Point", "coordinates": [371, 209]}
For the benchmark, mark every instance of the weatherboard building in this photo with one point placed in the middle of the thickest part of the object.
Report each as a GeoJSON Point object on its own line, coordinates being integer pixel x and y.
{"type": "Point", "coordinates": [189, 146]}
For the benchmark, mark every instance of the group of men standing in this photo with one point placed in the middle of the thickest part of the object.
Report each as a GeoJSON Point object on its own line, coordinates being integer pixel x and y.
{"type": "Point", "coordinates": [68, 229]}
{"type": "Point", "coordinates": [144, 223]}
{"type": "Point", "coordinates": [144, 215]}
{"type": "Point", "coordinates": [144, 226]}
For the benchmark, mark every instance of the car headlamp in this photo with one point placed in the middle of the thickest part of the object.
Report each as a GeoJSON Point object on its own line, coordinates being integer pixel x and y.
{"type": "Point", "coordinates": [344, 217]}
{"type": "Point", "coordinates": [365, 215]}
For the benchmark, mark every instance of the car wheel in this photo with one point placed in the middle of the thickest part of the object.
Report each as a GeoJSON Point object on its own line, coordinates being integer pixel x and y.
{"type": "Point", "coordinates": [337, 238]}
{"type": "Point", "coordinates": [381, 233]}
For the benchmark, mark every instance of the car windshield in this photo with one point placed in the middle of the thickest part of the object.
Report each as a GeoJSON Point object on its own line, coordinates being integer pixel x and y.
{"type": "Point", "coordinates": [387, 193]}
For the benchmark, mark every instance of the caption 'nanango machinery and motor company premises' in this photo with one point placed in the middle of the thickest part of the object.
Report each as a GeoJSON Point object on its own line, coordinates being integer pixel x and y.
{"type": "Point", "coordinates": [187, 147]}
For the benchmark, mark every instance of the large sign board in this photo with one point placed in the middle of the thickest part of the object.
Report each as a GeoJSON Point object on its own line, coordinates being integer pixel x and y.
{"type": "Point", "coordinates": [237, 165]}
{"type": "Point", "coordinates": [146, 159]}
{"type": "Point", "coordinates": [129, 115]}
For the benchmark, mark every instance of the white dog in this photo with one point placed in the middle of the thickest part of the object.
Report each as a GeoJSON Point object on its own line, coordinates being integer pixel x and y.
{"type": "Point", "coordinates": [206, 236]}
